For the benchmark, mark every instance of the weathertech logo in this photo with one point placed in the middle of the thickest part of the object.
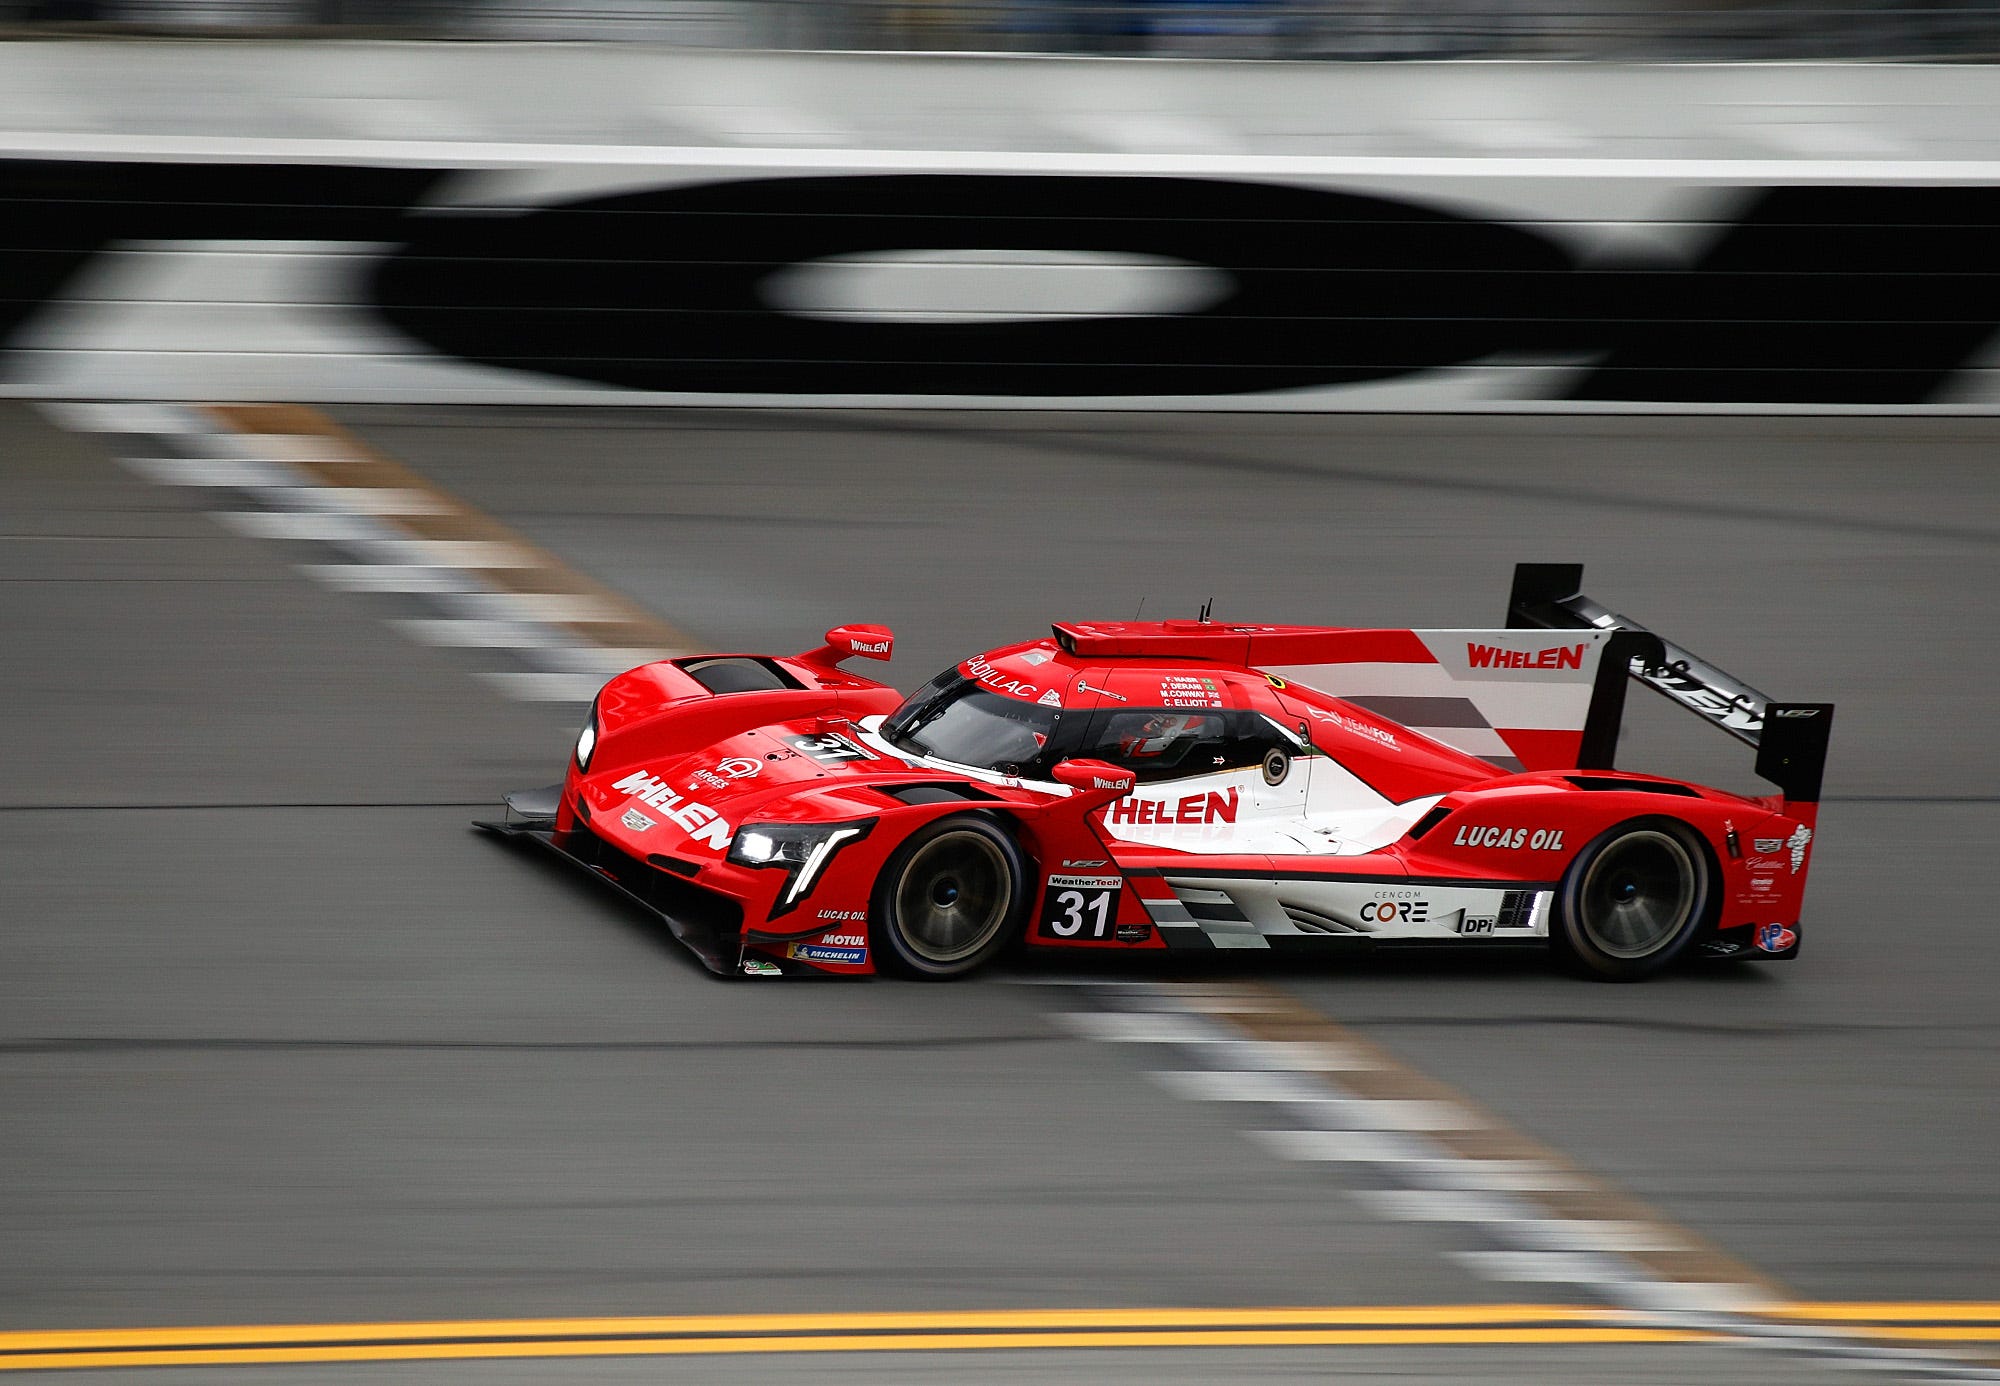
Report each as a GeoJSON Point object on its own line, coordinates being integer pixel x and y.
{"type": "Point", "coordinates": [1555, 657]}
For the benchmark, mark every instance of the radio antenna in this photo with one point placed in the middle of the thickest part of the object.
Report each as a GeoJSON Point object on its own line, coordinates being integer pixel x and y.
{"type": "Point", "coordinates": [1142, 608]}
{"type": "Point", "coordinates": [1206, 607]}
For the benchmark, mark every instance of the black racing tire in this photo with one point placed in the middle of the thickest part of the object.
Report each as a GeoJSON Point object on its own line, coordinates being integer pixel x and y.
{"type": "Point", "coordinates": [950, 898]}
{"type": "Point", "coordinates": [1634, 899]}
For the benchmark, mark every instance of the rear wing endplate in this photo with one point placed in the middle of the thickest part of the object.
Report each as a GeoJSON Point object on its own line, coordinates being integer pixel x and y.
{"type": "Point", "coordinates": [1791, 738]}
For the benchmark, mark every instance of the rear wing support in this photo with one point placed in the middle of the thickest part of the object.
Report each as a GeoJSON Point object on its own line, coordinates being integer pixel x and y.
{"type": "Point", "coordinates": [1791, 738]}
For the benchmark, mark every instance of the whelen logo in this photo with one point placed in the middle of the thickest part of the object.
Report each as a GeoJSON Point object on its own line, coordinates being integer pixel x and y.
{"type": "Point", "coordinates": [1194, 808]}
{"type": "Point", "coordinates": [702, 823]}
{"type": "Point", "coordinates": [1555, 657]}
{"type": "Point", "coordinates": [868, 646]}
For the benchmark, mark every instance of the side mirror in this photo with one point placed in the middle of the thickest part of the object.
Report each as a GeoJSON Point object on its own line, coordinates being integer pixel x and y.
{"type": "Point", "coordinates": [1096, 782]}
{"type": "Point", "coordinates": [844, 642]}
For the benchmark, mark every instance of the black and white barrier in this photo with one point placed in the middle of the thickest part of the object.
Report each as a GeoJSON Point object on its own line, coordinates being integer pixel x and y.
{"type": "Point", "coordinates": [460, 272]}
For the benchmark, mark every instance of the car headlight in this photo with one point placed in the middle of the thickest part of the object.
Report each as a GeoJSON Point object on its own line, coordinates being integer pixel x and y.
{"type": "Point", "coordinates": [801, 850]}
{"type": "Point", "coordinates": [586, 740]}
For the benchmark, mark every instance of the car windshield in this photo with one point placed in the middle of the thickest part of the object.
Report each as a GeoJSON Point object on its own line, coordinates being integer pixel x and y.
{"type": "Point", "coordinates": [952, 718]}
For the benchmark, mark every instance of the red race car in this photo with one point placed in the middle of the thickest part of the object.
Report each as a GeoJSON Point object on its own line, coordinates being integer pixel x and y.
{"type": "Point", "coordinates": [1190, 785]}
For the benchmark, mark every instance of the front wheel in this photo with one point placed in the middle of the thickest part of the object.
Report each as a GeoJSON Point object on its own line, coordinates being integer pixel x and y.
{"type": "Point", "coordinates": [1633, 899]}
{"type": "Point", "coordinates": [949, 899]}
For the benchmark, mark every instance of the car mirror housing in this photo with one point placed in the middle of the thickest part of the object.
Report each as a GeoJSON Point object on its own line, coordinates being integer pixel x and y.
{"type": "Point", "coordinates": [844, 642]}
{"type": "Point", "coordinates": [1095, 781]}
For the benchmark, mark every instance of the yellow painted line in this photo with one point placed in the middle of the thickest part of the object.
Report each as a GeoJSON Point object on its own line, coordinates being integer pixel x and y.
{"type": "Point", "coordinates": [903, 1342]}
{"type": "Point", "coordinates": [897, 1321]}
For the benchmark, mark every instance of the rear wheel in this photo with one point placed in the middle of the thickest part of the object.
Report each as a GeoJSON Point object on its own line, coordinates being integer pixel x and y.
{"type": "Point", "coordinates": [949, 899]}
{"type": "Point", "coordinates": [1633, 899]}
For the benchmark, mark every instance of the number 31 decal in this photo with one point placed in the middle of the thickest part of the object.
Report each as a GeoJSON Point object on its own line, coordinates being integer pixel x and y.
{"type": "Point", "coordinates": [1080, 907]}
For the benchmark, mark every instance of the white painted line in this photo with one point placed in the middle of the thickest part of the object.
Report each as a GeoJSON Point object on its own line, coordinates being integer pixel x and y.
{"type": "Point", "coordinates": [1550, 1267]}
{"type": "Point", "coordinates": [298, 447]}
{"type": "Point", "coordinates": [122, 416]}
{"type": "Point", "coordinates": [1349, 1147]}
{"type": "Point", "coordinates": [239, 473]}
{"type": "Point", "coordinates": [478, 635]}
{"type": "Point", "coordinates": [1499, 1176]}
{"type": "Point", "coordinates": [1239, 1086]}
{"type": "Point", "coordinates": [1587, 1234]}
{"type": "Point", "coordinates": [539, 606]}
{"type": "Point", "coordinates": [359, 500]}
{"type": "Point", "coordinates": [469, 154]}
{"type": "Point", "coordinates": [1220, 1002]}
{"type": "Point", "coordinates": [1673, 1296]}
{"type": "Point", "coordinates": [291, 524]}
{"type": "Point", "coordinates": [389, 577]}
{"type": "Point", "coordinates": [448, 553]}
{"type": "Point", "coordinates": [1438, 1205]}
{"type": "Point", "coordinates": [1142, 1027]}
{"type": "Point", "coordinates": [1294, 1057]}
{"type": "Point", "coordinates": [1385, 1114]}
{"type": "Point", "coordinates": [546, 688]}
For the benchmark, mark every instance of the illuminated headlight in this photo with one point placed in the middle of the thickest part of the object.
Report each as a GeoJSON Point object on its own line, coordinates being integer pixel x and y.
{"type": "Point", "coordinates": [774, 844]}
{"type": "Point", "coordinates": [802, 850]}
{"type": "Point", "coordinates": [586, 741]}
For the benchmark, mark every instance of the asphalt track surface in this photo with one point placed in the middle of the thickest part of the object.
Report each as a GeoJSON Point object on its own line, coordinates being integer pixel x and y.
{"type": "Point", "coordinates": [281, 1042]}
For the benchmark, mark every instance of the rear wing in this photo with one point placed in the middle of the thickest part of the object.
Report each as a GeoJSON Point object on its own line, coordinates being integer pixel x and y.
{"type": "Point", "coordinates": [1791, 738]}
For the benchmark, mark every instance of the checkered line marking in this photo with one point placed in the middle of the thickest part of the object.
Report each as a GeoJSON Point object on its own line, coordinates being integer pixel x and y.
{"type": "Point", "coordinates": [360, 522]}
{"type": "Point", "coordinates": [1342, 1102]}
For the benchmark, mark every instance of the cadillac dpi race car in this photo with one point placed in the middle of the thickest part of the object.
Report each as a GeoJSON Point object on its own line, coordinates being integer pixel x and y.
{"type": "Point", "coordinates": [1190, 785]}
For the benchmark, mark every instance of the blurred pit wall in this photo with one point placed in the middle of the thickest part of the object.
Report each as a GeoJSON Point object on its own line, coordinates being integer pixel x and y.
{"type": "Point", "coordinates": [341, 221]}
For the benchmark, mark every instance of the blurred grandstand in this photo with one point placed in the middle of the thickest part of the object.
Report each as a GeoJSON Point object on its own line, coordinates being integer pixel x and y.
{"type": "Point", "coordinates": [1623, 30]}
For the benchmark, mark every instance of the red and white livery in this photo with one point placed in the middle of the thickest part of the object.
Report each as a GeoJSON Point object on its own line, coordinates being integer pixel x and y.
{"type": "Point", "coordinates": [1191, 785]}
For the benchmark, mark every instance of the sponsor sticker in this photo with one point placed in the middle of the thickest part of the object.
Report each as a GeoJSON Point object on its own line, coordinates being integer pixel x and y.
{"type": "Point", "coordinates": [1132, 933]}
{"type": "Point", "coordinates": [842, 917]}
{"type": "Point", "coordinates": [1775, 938]}
{"type": "Point", "coordinates": [738, 767]}
{"type": "Point", "coordinates": [1076, 907]}
{"type": "Point", "coordinates": [1380, 735]}
{"type": "Point", "coordinates": [1079, 864]}
{"type": "Point", "coordinates": [1496, 657]}
{"type": "Point", "coordinates": [1798, 842]}
{"type": "Point", "coordinates": [759, 967]}
{"type": "Point", "coordinates": [1768, 844]}
{"type": "Point", "coordinates": [1216, 806]}
{"type": "Point", "coordinates": [999, 680]}
{"type": "Point", "coordinates": [821, 953]}
{"type": "Point", "coordinates": [1049, 699]}
{"type": "Point", "coordinates": [1721, 947]}
{"type": "Point", "coordinates": [1394, 907]}
{"type": "Point", "coordinates": [636, 821]}
{"type": "Point", "coordinates": [702, 823]}
{"type": "Point", "coordinates": [829, 748]}
{"type": "Point", "coordinates": [1085, 882]}
{"type": "Point", "coordinates": [1510, 839]}
{"type": "Point", "coordinates": [1477, 924]}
